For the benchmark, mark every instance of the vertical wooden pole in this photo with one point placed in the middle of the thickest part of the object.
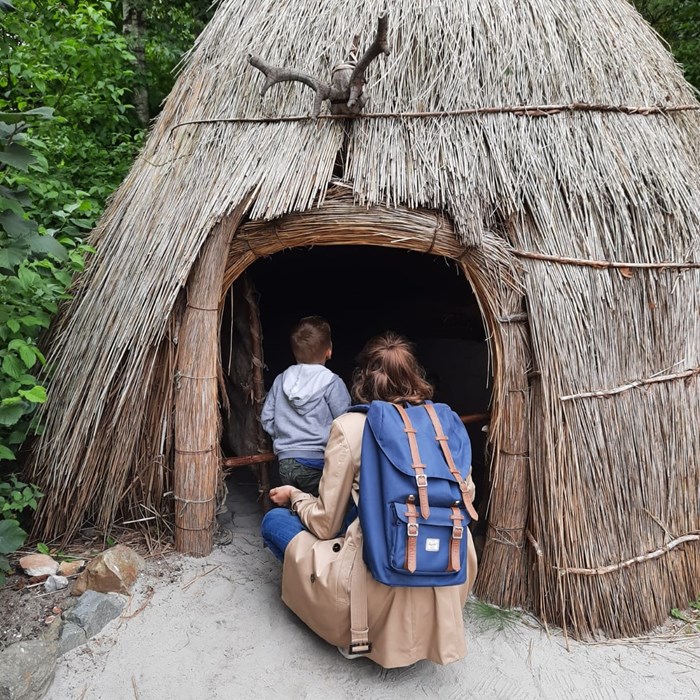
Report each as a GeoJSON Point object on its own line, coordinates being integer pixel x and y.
{"type": "Point", "coordinates": [261, 438]}
{"type": "Point", "coordinates": [197, 417]}
{"type": "Point", "coordinates": [504, 573]}
{"type": "Point", "coordinates": [504, 576]}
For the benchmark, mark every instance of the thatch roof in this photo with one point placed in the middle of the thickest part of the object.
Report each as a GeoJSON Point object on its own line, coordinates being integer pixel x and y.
{"type": "Point", "coordinates": [611, 477]}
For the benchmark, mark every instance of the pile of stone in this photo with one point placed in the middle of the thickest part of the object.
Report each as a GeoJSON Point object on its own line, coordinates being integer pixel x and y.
{"type": "Point", "coordinates": [27, 667]}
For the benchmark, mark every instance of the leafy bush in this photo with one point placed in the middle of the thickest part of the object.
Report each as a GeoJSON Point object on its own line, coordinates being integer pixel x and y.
{"type": "Point", "coordinates": [68, 55]}
{"type": "Point", "coordinates": [36, 266]}
{"type": "Point", "coordinates": [12, 537]}
{"type": "Point", "coordinates": [16, 498]}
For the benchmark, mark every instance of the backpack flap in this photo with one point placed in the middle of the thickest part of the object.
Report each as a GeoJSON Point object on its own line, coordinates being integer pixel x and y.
{"type": "Point", "coordinates": [388, 429]}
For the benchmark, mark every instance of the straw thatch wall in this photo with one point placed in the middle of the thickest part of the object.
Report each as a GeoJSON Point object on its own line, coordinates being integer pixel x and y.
{"type": "Point", "coordinates": [607, 478]}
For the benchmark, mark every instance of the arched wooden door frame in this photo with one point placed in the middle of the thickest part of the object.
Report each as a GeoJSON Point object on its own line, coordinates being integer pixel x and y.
{"type": "Point", "coordinates": [494, 277]}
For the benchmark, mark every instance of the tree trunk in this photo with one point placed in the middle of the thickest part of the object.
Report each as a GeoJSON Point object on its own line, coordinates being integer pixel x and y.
{"type": "Point", "coordinates": [134, 29]}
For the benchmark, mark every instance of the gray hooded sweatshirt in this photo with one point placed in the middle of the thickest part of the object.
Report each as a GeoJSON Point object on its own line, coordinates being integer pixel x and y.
{"type": "Point", "coordinates": [298, 411]}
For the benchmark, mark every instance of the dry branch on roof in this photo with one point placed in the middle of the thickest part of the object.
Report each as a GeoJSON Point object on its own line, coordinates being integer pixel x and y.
{"type": "Point", "coordinates": [345, 91]}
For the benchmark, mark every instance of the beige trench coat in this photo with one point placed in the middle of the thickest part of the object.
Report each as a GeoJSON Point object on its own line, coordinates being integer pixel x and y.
{"type": "Point", "coordinates": [405, 624]}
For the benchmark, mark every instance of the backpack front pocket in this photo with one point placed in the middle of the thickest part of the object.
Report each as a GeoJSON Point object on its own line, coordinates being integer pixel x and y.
{"type": "Point", "coordinates": [431, 547]}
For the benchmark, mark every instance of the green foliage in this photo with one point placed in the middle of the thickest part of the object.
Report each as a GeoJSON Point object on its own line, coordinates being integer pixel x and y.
{"type": "Point", "coordinates": [68, 135]}
{"type": "Point", "coordinates": [691, 616]}
{"type": "Point", "coordinates": [491, 617]}
{"type": "Point", "coordinates": [16, 497]}
{"type": "Point", "coordinates": [677, 21]}
{"type": "Point", "coordinates": [70, 57]}
{"type": "Point", "coordinates": [171, 29]}
{"type": "Point", "coordinates": [35, 270]}
{"type": "Point", "coordinates": [12, 537]}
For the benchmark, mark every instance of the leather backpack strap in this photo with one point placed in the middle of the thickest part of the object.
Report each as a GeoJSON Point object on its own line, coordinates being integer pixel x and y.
{"type": "Point", "coordinates": [442, 440]}
{"type": "Point", "coordinates": [457, 534]}
{"type": "Point", "coordinates": [359, 626]}
{"type": "Point", "coordinates": [411, 535]}
{"type": "Point", "coordinates": [417, 466]}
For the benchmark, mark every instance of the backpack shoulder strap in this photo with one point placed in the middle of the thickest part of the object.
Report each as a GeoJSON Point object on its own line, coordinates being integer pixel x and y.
{"type": "Point", "coordinates": [442, 440]}
{"type": "Point", "coordinates": [417, 465]}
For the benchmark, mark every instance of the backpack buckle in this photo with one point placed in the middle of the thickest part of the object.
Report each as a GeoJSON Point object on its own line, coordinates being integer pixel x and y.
{"type": "Point", "coordinates": [457, 532]}
{"type": "Point", "coordinates": [421, 481]}
{"type": "Point", "coordinates": [412, 529]}
{"type": "Point", "coordinates": [360, 648]}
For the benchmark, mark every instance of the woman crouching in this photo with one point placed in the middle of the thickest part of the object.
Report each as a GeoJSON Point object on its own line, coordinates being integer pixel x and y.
{"type": "Point", "coordinates": [325, 580]}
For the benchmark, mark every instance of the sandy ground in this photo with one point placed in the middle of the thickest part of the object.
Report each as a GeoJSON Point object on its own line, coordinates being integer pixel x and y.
{"type": "Point", "coordinates": [216, 628]}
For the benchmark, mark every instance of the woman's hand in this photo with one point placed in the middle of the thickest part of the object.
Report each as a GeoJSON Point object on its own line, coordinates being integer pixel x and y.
{"type": "Point", "coordinates": [281, 496]}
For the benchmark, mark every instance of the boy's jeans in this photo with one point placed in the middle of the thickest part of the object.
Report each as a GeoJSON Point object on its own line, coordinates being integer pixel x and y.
{"type": "Point", "coordinates": [296, 474]}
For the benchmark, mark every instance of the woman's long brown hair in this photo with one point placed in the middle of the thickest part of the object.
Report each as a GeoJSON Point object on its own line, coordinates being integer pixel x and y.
{"type": "Point", "coordinates": [389, 371]}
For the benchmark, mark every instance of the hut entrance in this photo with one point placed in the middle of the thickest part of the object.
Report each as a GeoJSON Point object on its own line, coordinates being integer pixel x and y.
{"type": "Point", "coordinates": [361, 291]}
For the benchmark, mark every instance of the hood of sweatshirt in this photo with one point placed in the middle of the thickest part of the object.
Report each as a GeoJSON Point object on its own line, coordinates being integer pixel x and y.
{"type": "Point", "coordinates": [305, 385]}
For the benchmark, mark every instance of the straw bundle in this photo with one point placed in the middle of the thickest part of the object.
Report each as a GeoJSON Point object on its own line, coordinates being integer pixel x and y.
{"type": "Point", "coordinates": [613, 470]}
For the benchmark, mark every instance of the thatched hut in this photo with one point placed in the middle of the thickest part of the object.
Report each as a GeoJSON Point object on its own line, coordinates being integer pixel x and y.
{"type": "Point", "coordinates": [548, 148]}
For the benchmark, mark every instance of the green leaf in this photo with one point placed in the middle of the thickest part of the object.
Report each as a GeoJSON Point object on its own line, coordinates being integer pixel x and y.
{"type": "Point", "coordinates": [17, 156]}
{"type": "Point", "coordinates": [13, 400]}
{"type": "Point", "coordinates": [33, 321]}
{"type": "Point", "coordinates": [63, 277]}
{"type": "Point", "coordinates": [10, 258]}
{"type": "Point", "coordinates": [13, 325]}
{"type": "Point", "coordinates": [9, 415]}
{"type": "Point", "coordinates": [26, 354]}
{"type": "Point", "coordinates": [28, 278]}
{"type": "Point", "coordinates": [47, 245]}
{"type": "Point", "coordinates": [18, 194]}
{"type": "Point", "coordinates": [36, 394]}
{"type": "Point", "coordinates": [15, 117]}
{"type": "Point", "coordinates": [12, 536]}
{"type": "Point", "coordinates": [6, 453]}
{"type": "Point", "coordinates": [15, 225]}
{"type": "Point", "coordinates": [12, 204]}
{"type": "Point", "coordinates": [42, 548]}
{"type": "Point", "coordinates": [12, 366]}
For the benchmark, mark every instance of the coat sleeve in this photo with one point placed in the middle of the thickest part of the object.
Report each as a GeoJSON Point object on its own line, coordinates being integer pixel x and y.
{"type": "Point", "coordinates": [338, 397]}
{"type": "Point", "coordinates": [324, 515]}
{"type": "Point", "coordinates": [267, 415]}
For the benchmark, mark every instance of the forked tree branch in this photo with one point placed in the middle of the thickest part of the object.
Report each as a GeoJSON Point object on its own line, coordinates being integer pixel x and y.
{"type": "Point", "coordinates": [275, 75]}
{"type": "Point", "coordinates": [379, 46]}
{"type": "Point", "coordinates": [344, 91]}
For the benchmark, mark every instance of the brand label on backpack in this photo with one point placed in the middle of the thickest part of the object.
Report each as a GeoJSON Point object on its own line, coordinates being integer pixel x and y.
{"type": "Point", "coordinates": [432, 544]}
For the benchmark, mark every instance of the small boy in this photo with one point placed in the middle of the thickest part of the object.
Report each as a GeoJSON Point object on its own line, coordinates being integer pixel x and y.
{"type": "Point", "coordinates": [302, 404]}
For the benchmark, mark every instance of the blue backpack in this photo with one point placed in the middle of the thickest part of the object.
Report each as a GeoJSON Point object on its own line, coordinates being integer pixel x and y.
{"type": "Point", "coordinates": [414, 504]}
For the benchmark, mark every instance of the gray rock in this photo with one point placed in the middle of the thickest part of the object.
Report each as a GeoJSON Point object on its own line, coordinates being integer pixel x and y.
{"type": "Point", "coordinates": [27, 669]}
{"type": "Point", "coordinates": [72, 636]}
{"type": "Point", "coordinates": [52, 632]}
{"type": "Point", "coordinates": [94, 610]}
{"type": "Point", "coordinates": [55, 583]}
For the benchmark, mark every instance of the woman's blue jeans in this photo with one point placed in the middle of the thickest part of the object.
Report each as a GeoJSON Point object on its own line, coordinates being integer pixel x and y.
{"type": "Point", "coordinates": [279, 527]}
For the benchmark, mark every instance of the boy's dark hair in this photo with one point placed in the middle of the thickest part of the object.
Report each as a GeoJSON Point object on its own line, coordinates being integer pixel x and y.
{"type": "Point", "coordinates": [310, 340]}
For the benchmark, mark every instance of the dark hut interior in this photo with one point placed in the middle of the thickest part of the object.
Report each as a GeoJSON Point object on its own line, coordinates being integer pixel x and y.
{"type": "Point", "coordinates": [361, 291]}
